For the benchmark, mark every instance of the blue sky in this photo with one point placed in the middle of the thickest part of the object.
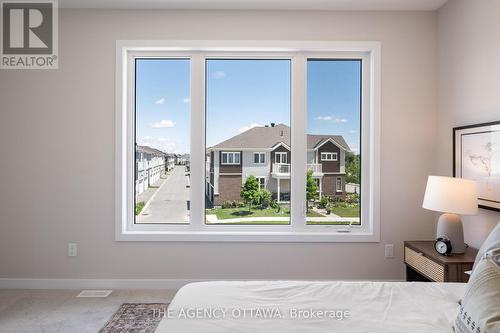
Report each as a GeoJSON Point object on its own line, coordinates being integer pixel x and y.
{"type": "Point", "coordinates": [242, 94]}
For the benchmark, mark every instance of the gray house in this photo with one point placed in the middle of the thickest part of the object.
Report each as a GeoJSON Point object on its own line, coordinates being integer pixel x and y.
{"type": "Point", "coordinates": [264, 152]}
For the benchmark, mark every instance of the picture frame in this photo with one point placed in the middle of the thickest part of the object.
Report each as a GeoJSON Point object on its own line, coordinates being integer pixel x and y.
{"type": "Point", "coordinates": [476, 156]}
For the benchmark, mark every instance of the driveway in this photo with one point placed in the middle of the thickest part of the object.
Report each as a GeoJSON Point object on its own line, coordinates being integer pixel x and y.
{"type": "Point", "coordinates": [170, 203]}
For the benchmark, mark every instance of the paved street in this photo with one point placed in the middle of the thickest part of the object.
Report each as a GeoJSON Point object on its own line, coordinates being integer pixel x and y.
{"type": "Point", "coordinates": [170, 203]}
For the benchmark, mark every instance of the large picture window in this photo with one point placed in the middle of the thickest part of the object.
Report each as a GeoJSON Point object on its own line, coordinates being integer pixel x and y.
{"type": "Point", "coordinates": [213, 143]}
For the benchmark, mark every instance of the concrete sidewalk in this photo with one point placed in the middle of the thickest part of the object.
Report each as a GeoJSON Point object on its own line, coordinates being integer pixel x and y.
{"type": "Point", "coordinates": [170, 203]}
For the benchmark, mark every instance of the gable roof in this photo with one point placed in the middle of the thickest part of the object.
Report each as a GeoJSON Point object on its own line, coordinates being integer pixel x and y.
{"type": "Point", "coordinates": [262, 137]}
{"type": "Point", "coordinates": [149, 150]}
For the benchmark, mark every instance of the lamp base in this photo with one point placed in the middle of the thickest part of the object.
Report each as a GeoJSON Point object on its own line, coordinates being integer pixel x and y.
{"type": "Point", "coordinates": [450, 226]}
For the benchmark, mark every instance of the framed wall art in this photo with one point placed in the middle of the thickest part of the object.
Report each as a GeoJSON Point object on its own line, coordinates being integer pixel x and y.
{"type": "Point", "coordinates": [476, 156]}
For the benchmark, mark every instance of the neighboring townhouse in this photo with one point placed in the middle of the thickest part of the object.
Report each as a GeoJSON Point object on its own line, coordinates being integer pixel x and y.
{"type": "Point", "coordinates": [170, 161]}
{"type": "Point", "coordinates": [182, 159]}
{"type": "Point", "coordinates": [150, 164]}
{"type": "Point", "coordinates": [264, 152]}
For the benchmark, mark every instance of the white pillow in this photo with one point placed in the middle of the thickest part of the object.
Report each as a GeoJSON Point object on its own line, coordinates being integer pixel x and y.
{"type": "Point", "coordinates": [491, 242]}
{"type": "Point", "coordinates": [479, 309]}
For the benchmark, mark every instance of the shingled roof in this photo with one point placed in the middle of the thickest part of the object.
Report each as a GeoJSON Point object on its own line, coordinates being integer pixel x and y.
{"type": "Point", "coordinates": [149, 150]}
{"type": "Point", "coordinates": [263, 137]}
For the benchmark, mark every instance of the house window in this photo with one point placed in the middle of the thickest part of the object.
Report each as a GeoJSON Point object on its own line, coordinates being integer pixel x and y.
{"type": "Point", "coordinates": [262, 182]}
{"type": "Point", "coordinates": [216, 103]}
{"type": "Point", "coordinates": [229, 158]}
{"type": "Point", "coordinates": [329, 156]}
{"type": "Point", "coordinates": [280, 157]}
{"type": "Point", "coordinates": [259, 158]}
{"type": "Point", "coordinates": [237, 119]}
{"type": "Point", "coordinates": [336, 84]}
{"type": "Point", "coordinates": [339, 185]}
{"type": "Point", "coordinates": [162, 126]}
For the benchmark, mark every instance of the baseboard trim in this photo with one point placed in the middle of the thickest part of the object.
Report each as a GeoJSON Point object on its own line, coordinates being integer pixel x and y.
{"type": "Point", "coordinates": [77, 284]}
{"type": "Point", "coordinates": [6, 283]}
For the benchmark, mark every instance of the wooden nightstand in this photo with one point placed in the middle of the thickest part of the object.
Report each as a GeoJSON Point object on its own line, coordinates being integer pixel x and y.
{"type": "Point", "coordinates": [423, 263]}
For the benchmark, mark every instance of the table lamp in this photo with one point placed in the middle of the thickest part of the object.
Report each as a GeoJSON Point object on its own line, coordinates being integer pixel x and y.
{"type": "Point", "coordinates": [451, 196]}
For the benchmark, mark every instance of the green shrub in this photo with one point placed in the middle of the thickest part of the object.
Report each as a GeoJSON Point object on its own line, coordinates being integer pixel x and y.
{"type": "Point", "coordinates": [226, 204]}
{"type": "Point", "coordinates": [324, 201]}
{"type": "Point", "coordinates": [274, 204]}
{"type": "Point", "coordinates": [265, 198]}
{"type": "Point", "coordinates": [139, 206]}
{"type": "Point", "coordinates": [352, 198]}
{"type": "Point", "coordinates": [337, 199]}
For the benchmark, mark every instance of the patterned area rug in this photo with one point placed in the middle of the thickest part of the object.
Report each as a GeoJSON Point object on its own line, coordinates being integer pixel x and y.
{"type": "Point", "coordinates": [135, 318]}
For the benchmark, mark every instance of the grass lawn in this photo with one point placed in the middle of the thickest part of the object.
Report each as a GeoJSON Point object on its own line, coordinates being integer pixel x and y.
{"type": "Point", "coordinates": [138, 207]}
{"type": "Point", "coordinates": [346, 211]}
{"type": "Point", "coordinates": [232, 213]}
{"type": "Point", "coordinates": [330, 223]}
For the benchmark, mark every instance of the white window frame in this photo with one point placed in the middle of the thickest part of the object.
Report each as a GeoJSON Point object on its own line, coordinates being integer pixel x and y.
{"type": "Point", "coordinates": [261, 186]}
{"type": "Point", "coordinates": [333, 156]}
{"type": "Point", "coordinates": [298, 52]}
{"type": "Point", "coordinates": [337, 183]}
{"type": "Point", "coordinates": [259, 160]}
{"type": "Point", "coordinates": [232, 153]}
{"type": "Point", "coordinates": [281, 154]}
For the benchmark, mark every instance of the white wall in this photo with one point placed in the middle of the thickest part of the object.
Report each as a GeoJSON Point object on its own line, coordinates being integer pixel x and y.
{"type": "Point", "coordinates": [469, 83]}
{"type": "Point", "coordinates": [69, 113]}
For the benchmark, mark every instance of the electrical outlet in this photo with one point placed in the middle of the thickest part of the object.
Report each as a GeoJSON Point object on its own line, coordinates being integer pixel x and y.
{"type": "Point", "coordinates": [72, 249]}
{"type": "Point", "coordinates": [389, 250]}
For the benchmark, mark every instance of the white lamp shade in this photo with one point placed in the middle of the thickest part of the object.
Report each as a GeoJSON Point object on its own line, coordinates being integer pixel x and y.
{"type": "Point", "coordinates": [451, 195]}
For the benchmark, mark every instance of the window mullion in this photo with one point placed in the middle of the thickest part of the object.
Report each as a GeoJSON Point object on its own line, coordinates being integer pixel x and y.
{"type": "Point", "coordinates": [197, 171]}
{"type": "Point", "coordinates": [298, 141]}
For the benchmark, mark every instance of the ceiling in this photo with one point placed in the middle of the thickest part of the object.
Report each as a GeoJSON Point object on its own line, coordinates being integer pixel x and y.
{"type": "Point", "coordinates": [258, 4]}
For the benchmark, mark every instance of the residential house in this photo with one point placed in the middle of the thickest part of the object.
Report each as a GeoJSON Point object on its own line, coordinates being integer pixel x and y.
{"type": "Point", "coordinates": [264, 152]}
{"type": "Point", "coordinates": [170, 161]}
{"type": "Point", "coordinates": [150, 164]}
{"type": "Point", "coordinates": [182, 159]}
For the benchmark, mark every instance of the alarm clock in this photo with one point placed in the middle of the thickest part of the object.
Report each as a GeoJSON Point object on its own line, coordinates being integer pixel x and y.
{"type": "Point", "coordinates": [442, 245]}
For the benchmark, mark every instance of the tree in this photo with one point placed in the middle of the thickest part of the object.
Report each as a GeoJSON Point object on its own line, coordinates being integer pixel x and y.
{"type": "Point", "coordinates": [265, 197]}
{"type": "Point", "coordinates": [311, 188]}
{"type": "Point", "coordinates": [250, 191]}
{"type": "Point", "coordinates": [352, 168]}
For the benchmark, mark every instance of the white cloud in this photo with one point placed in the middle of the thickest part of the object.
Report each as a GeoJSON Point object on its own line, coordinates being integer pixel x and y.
{"type": "Point", "coordinates": [353, 131]}
{"type": "Point", "coordinates": [218, 74]}
{"type": "Point", "coordinates": [187, 100]}
{"type": "Point", "coordinates": [159, 143]}
{"type": "Point", "coordinates": [160, 101]}
{"type": "Point", "coordinates": [332, 118]}
{"type": "Point", "coordinates": [246, 128]}
{"type": "Point", "coordinates": [166, 123]}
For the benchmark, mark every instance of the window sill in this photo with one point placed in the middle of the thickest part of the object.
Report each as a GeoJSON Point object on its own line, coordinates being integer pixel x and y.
{"type": "Point", "coordinates": [257, 236]}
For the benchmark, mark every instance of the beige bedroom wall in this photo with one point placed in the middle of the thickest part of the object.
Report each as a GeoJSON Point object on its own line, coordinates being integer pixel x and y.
{"type": "Point", "coordinates": [57, 151]}
{"type": "Point", "coordinates": [469, 82]}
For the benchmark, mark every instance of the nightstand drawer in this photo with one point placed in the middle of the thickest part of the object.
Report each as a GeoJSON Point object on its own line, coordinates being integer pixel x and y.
{"type": "Point", "coordinates": [424, 265]}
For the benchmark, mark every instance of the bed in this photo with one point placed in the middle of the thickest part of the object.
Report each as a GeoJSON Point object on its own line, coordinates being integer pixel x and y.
{"type": "Point", "coordinates": [253, 306]}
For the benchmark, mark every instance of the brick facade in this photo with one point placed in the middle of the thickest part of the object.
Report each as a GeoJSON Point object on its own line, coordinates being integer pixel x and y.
{"type": "Point", "coordinates": [229, 189]}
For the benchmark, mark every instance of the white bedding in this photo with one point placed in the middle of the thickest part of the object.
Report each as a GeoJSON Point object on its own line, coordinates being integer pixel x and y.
{"type": "Point", "coordinates": [374, 307]}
